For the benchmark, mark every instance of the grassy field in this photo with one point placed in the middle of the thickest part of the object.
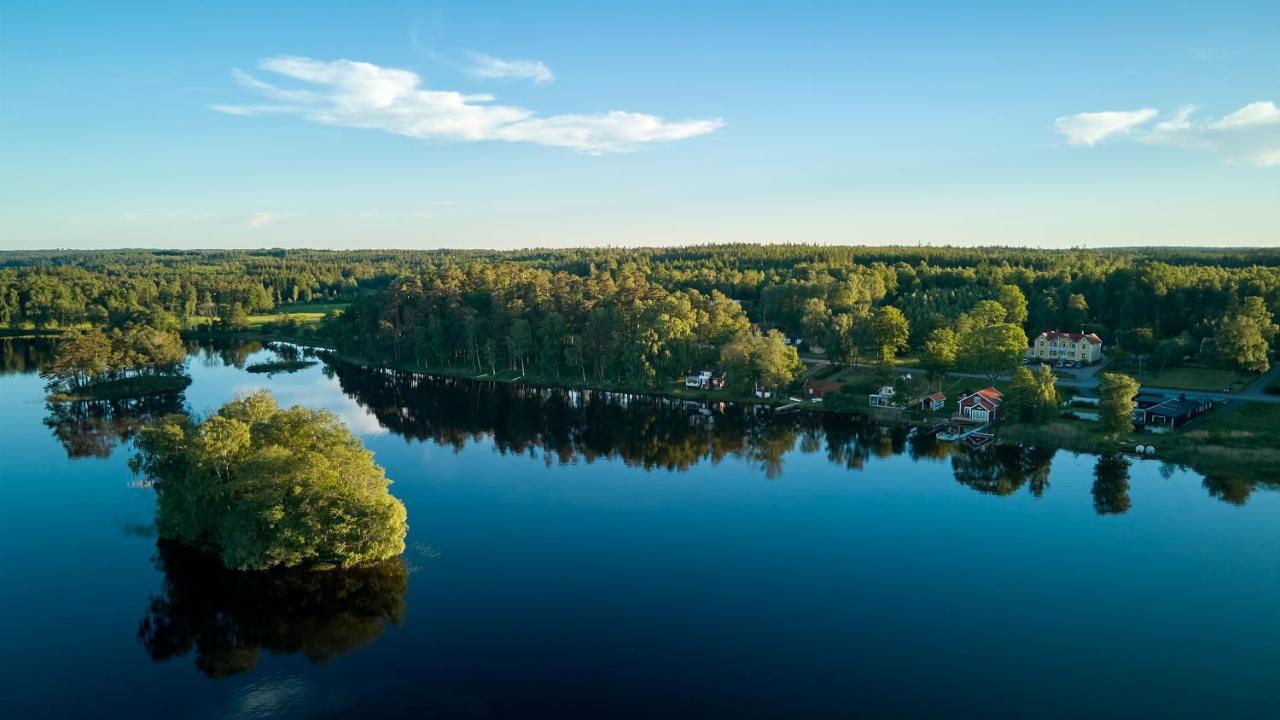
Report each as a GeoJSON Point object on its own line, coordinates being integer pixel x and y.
{"type": "Point", "coordinates": [304, 312]}
{"type": "Point", "coordinates": [1193, 377]}
{"type": "Point", "coordinates": [1079, 435]}
{"type": "Point", "coordinates": [122, 388]}
{"type": "Point", "coordinates": [1251, 425]}
{"type": "Point", "coordinates": [1236, 442]}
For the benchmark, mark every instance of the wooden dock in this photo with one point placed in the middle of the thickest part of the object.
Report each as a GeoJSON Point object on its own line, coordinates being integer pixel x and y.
{"type": "Point", "coordinates": [952, 434]}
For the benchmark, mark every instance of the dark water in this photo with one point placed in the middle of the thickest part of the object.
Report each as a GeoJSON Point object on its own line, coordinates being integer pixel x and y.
{"type": "Point", "coordinates": [595, 556]}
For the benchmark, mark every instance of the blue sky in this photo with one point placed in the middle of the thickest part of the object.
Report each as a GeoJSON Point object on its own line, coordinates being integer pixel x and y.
{"type": "Point", "coordinates": [472, 124]}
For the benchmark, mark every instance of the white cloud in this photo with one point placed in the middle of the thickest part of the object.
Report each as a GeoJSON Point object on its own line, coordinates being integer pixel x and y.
{"type": "Point", "coordinates": [1092, 128]}
{"type": "Point", "coordinates": [264, 218]}
{"type": "Point", "coordinates": [363, 95]}
{"type": "Point", "coordinates": [1253, 114]}
{"type": "Point", "coordinates": [487, 66]}
{"type": "Point", "coordinates": [1248, 136]}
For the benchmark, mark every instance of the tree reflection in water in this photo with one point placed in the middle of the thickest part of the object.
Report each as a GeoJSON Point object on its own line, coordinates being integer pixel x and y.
{"type": "Point", "coordinates": [92, 428]}
{"type": "Point", "coordinates": [568, 426]}
{"type": "Point", "coordinates": [1004, 469]}
{"type": "Point", "coordinates": [25, 355]}
{"type": "Point", "coordinates": [1229, 490]}
{"type": "Point", "coordinates": [228, 617]}
{"type": "Point", "coordinates": [223, 353]}
{"type": "Point", "coordinates": [1111, 484]}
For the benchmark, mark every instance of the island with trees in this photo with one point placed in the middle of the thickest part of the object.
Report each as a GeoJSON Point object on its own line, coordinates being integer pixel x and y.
{"type": "Point", "coordinates": [93, 364]}
{"type": "Point", "coordinates": [265, 487]}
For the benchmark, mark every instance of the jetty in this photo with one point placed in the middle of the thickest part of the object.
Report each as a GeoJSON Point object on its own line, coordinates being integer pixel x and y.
{"type": "Point", "coordinates": [960, 433]}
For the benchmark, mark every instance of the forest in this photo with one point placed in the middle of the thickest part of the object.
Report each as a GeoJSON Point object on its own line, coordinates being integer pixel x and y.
{"type": "Point", "coordinates": [644, 316]}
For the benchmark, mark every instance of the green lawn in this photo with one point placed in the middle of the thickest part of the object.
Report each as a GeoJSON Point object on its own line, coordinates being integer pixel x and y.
{"type": "Point", "coordinates": [1241, 443]}
{"type": "Point", "coordinates": [1251, 425]}
{"type": "Point", "coordinates": [1192, 377]}
{"type": "Point", "coordinates": [305, 313]}
{"type": "Point", "coordinates": [861, 379]}
{"type": "Point", "coordinates": [314, 307]}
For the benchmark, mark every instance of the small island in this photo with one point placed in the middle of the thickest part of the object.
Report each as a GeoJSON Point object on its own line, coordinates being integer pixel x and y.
{"type": "Point", "coordinates": [138, 361]}
{"type": "Point", "coordinates": [279, 366]}
{"type": "Point", "coordinates": [265, 487]}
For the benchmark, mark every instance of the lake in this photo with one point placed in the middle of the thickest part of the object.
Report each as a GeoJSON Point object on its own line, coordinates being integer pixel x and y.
{"type": "Point", "coordinates": [594, 555]}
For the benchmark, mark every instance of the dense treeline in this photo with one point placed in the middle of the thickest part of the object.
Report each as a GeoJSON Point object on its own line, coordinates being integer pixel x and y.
{"type": "Point", "coordinates": [646, 313]}
{"type": "Point", "coordinates": [568, 426]}
{"type": "Point", "coordinates": [607, 326]}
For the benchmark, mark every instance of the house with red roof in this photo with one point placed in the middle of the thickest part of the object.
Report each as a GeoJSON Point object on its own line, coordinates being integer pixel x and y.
{"type": "Point", "coordinates": [980, 406]}
{"type": "Point", "coordinates": [933, 401]}
{"type": "Point", "coordinates": [814, 389]}
{"type": "Point", "coordinates": [1061, 347]}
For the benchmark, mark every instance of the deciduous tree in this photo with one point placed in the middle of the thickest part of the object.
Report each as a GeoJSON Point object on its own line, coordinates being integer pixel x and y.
{"type": "Point", "coordinates": [1116, 392]}
{"type": "Point", "coordinates": [265, 487]}
{"type": "Point", "coordinates": [993, 349]}
{"type": "Point", "coordinates": [890, 330]}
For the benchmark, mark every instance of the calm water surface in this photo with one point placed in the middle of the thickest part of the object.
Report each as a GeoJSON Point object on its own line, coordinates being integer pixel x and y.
{"type": "Point", "coordinates": [593, 556]}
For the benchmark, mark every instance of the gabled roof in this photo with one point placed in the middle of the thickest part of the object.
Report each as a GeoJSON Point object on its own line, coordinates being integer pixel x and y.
{"type": "Point", "coordinates": [979, 401]}
{"type": "Point", "coordinates": [987, 397]}
{"type": "Point", "coordinates": [990, 393]}
{"type": "Point", "coordinates": [936, 396]}
{"type": "Point", "coordinates": [825, 385]}
{"type": "Point", "coordinates": [1176, 407]}
{"type": "Point", "coordinates": [884, 390]}
{"type": "Point", "coordinates": [1073, 337]}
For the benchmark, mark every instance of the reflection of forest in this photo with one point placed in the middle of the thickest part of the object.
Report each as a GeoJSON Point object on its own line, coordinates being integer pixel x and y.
{"type": "Point", "coordinates": [229, 616]}
{"type": "Point", "coordinates": [1004, 469]}
{"type": "Point", "coordinates": [229, 353]}
{"type": "Point", "coordinates": [570, 425]}
{"type": "Point", "coordinates": [24, 355]}
{"type": "Point", "coordinates": [92, 428]}
{"type": "Point", "coordinates": [654, 432]}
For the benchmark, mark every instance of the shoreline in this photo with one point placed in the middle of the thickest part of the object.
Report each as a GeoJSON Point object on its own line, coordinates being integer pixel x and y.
{"type": "Point", "coordinates": [1253, 464]}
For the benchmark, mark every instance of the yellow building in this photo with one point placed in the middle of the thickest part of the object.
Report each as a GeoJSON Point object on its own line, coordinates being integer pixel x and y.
{"type": "Point", "coordinates": [1055, 347]}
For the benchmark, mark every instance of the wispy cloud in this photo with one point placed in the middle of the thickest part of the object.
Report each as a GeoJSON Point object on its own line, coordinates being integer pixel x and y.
{"type": "Point", "coordinates": [1091, 128]}
{"type": "Point", "coordinates": [487, 66]}
{"type": "Point", "coordinates": [1248, 136]}
{"type": "Point", "coordinates": [265, 218]}
{"type": "Point", "coordinates": [363, 95]}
